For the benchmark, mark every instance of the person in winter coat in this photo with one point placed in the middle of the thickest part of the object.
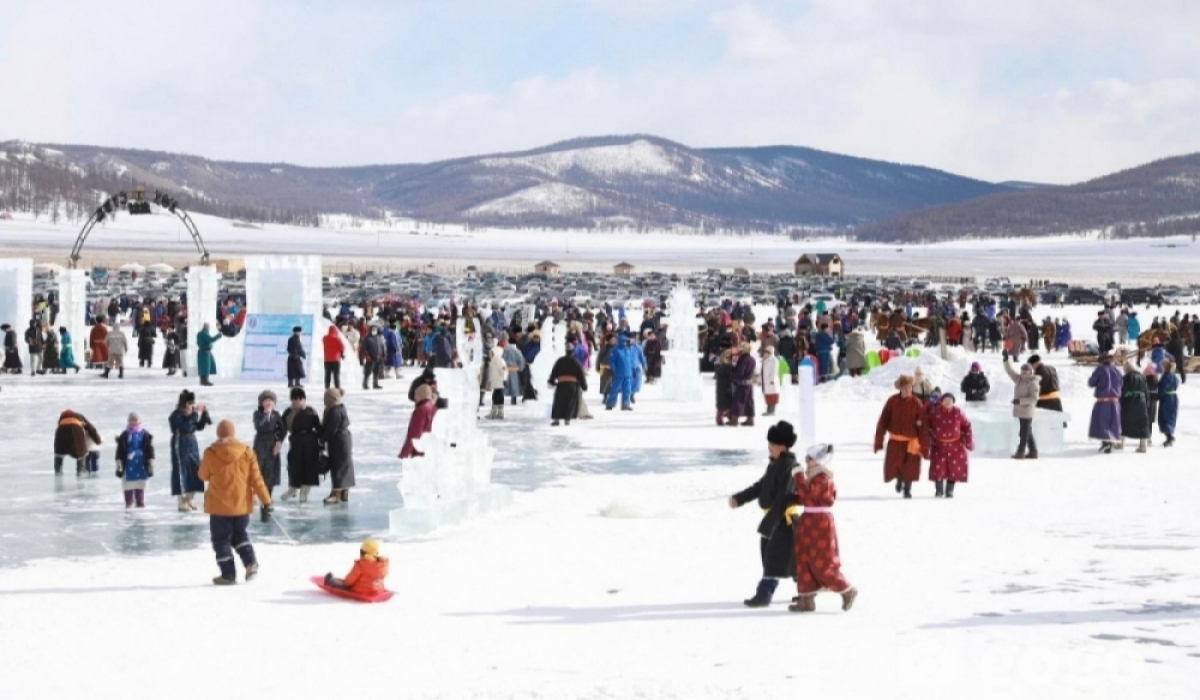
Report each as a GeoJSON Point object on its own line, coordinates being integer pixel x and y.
{"type": "Point", "coordinates": [296, 358]}
{"type": "Point", "coordinates": [1025, 398]}
{"type": "Point", "coordinates": [903, 423]}
{"type": "Point", "coordinates": [772, 493]}
{"type": "Point", "coordinates": [1063, 338]}
{"type": "Point", "coordinates": [1135, 413]}
{"type": "Point", "coordinates": [66, 359]}
{"type": "Point", "coordinates": [744, 367]}
{"type": "Point", "coordinates": [1175, 348]}
{"type": "Point", "coordinates": [950, 442]}
{"type": "Point", "coordinates": [335, 425]}
{"type": "Point", "coordinates": [621, 360]}
{"type": "Point", "coordinates": [856, 352]}
{"type": "Point", "coordinates": [652, 349]}
{"type": "Point", "coordinates": [568, 379]}
{"type": "Point", "coordinates": [98, 342]}
{"type": "Point", "coordinates": [118, 346]}
{"type": "Point", "coordinates": [975, 385]}
{"type": "Point", "coordinates": [185, 421]}
{"type": "Point", "coordinates": [1168, 402]}
{"type": "Point", "coordinates": [1015, 339]}
{"type": "Point", "coordinates": [206, 366]}
{"type": "Point", "coordinates": [639, 370]}
{"type": "Point", "coordinates": [373, 352]}
{"type": "Point", "coordinates": [50, 354]}
{"type": "Point", "coordinates": [35, 342]}
{"type": "Point", "coordinates": [603, 364]}
{"type": "Point", "coordinates": [335, 352]}
{"type": "Point", "coordinates": [172, 355]}
{"type": "Point", "coordinates": [514, 365]}
{"type": "Point", "coordinates": [234, 478]}
{"type": "Point", "coordinates": [421, 421]}
{"type": "Point", "coordinates": [145, 344]}
{"type": "Point", "coordinates": [825, 344]}
{"type": "Point", "coordinates": [135, 461]}
{"type": "Point", "coordinates": [922, 387]}
{"type": "Point", "coordinates": [368, 574]}
{"type": "Point", "coordinates": [303, 427]}
{"type": "Point", "coordinates": [12, 357]}
{"type": "Point", "coordinates": [818, 559]}
{"type": "Point", "coordinates": [1049, 397]}
{"type": "Point", "coordinates": [71, 438]}
{"type": "Point", "coordinates": [769, 379]}
{"type": "Point", "coordinates": [268, 440]}
{"type": "Point", "coordinates": [494, 373]}
{"type": "Point", "coordinates": [723, 375]}
{"type": "Point", "coordinates": [1106, 381]}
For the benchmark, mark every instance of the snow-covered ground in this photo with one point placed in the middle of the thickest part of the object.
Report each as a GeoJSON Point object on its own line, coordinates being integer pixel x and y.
{"type": "Point", "coordinates": [618, 572]}
{"type": "Point", "coordinates": [149, 239]}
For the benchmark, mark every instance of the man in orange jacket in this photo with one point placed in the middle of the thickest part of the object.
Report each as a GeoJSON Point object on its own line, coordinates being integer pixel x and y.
{"type": "Point", "coordinates": [366, 578]}
{"type": "Point", "coordinates": [231, 470]}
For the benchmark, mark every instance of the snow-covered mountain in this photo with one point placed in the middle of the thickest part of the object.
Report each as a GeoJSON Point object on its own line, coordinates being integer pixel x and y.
{"type": "Point", "coordinates": [609, 182]}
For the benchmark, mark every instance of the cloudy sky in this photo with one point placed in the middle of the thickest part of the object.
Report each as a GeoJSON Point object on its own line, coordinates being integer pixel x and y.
{"type": "Point", "coordinates": [1043, 90]}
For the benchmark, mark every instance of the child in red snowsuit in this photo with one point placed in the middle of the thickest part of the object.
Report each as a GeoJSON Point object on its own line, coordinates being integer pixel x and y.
{"type": "Point", "coordinates": [818, 565]}
{"type": "Point", "coordinates": [368, 573]}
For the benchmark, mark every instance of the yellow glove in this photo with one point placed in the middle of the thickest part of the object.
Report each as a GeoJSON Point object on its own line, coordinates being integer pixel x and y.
{"type": "Point", "coordinates": [792, 513]}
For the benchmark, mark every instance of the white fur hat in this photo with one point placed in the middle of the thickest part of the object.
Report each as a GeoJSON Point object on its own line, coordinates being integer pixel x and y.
{"type": "Point", "coordinates": [821, 454]}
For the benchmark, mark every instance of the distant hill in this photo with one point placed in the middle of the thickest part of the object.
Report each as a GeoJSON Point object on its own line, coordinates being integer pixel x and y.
{"type": "Point", "coordinates": [637, 182]}
{"type": "Point", "coordinates": [1158, 199]}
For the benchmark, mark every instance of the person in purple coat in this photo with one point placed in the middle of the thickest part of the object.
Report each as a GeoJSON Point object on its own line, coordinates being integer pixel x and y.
{"type": "Point", "coordinates": [743, 386]}
{"type": "Point", "coordinates": [1106, 380]}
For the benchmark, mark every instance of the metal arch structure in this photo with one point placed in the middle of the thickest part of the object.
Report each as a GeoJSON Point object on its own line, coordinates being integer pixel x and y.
{"type": "Point", "coordinates": [104, 211]}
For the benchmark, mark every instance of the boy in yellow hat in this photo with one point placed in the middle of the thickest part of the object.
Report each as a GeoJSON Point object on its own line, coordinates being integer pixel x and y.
{"type": "Point", "coordinates": [366, 578]}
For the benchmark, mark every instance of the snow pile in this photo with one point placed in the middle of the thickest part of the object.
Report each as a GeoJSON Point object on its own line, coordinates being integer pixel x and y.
{"type": "Point", "coordinates": [622, 510]}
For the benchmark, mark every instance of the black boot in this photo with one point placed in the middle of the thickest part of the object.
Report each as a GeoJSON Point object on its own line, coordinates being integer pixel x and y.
{"type": "Point", "coordinates": [908, 489]}
{"type": "Point", "coordinates": [762, 596]}
{"type": "Point", "coordinates": [899, 485]}
{"type": "Point", "coordinates": [949, 489]}
{"type": "Point", "coordinates": [121, 373]}
{"type": "Point", "coordinates": [106, 371]}
{"type": "Point", "coordinates": [58, 462]}
{"type": "Point", "coordinates": [939, 492]}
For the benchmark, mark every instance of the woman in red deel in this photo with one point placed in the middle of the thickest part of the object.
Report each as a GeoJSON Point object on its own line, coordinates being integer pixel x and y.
{"type": "Point", "coordinates": [818, 564]}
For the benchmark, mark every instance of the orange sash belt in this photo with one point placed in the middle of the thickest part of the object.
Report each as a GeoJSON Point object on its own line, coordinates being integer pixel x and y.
{"type": "Point", "coordinates": [914, 445]}
{"type": "Point", "coordinates": [956, 438]}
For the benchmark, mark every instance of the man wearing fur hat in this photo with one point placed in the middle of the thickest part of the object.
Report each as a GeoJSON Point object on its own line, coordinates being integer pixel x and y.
{"type": "Point", "coordinates": [818, 562]}
{"type": "Point", "coordinates": [234, 479]}
{"type": "Point", "coordinates": [902, 420]}
{"type": "Point", "coordinates": [1049, 397]}
{"type": "Point", "coordinates": [775, 498]}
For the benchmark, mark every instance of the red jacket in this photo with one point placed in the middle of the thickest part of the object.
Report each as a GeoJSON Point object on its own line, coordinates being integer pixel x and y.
{"type": "Point", "coordinates": [367, 576]}
{"type": "Point", "coordinates": [334, 348]}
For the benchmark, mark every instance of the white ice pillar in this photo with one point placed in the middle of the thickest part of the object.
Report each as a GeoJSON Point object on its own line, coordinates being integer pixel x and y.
{"type": "Point", "coordinates": [203, 288]}
{"type": "Point", "coordinates": [72, 310]}
{"type": "Point", "coordinates": [289, 284]}
{"type": "Point", "coordinates": [16, 299]}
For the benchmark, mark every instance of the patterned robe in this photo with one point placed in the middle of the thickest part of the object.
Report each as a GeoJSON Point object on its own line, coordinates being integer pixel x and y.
{"type": "Point", "coordinates": [818, 562]}
{"type": "Point", "coordinates": [950, 441]}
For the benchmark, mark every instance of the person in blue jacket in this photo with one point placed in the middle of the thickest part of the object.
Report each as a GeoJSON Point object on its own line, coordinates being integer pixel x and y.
{"type": "Point", "coordinates": [395, 356]}
{"type": "Point", "coordinates": [620, 362]}
{"type": "Point", "coordinates": [185, 421]}
{"type": "Point", "coordinates": [639, 369]}
{"type": "Point", "coordinates": [1168, 402]}
{"type": "Point", "coordinates": [825, 343]}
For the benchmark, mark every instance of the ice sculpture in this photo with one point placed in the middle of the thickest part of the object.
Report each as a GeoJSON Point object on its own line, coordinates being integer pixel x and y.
{"type": "Point", "coordinates": [681, 379]}
{"type": "Point", "coordinates": [539, 370]}
{"type": "Point", "coordinates": [204, 290]}
{"type": "Point", "coordinates": [996, 431]}
{"type": "Point", "coordinates": [288, 284]}
{"type": "Point", "coordinates": [16, 298]}
{"type": "Point", "coordinates": [452, 482]}
{"type": "Point", "coordinates": [72, 309]}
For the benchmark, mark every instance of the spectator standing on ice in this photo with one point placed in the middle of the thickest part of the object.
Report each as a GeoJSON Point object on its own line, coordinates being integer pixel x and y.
{"type": "Point", "coordinates": [1135, 414]}
{"type": "Point", "coordinates": [373, 351]}
{"type": "Point", "coordinates": [818, 559]}
{"type": "Point", "coordinates": [1168, 402]}
{"type": "Point", "coordinates": [1106, 381]}
{"type": "Point", "coordinates": [12, 358]}
{"type": "Point", "coordinates": [268, 440]}
{"type": "Point", "coordinates": [303, 427]}
{"type": "Point", "coordinates": [902, 422]}
{"type": "Point", "coordinates": [118, 347]}
{"type": "Point", "coordinates": [296, 358]}
{"type": "Point", "coordinates": [768, 379]}
{"type": "Point", "coordinates": [514, 365]}
{"type": "Point", "coordinates": [772, 493]}
{"type": "Point", "coordinates": [135, 461]}
{"type": "Point", "coordinates": [66, 358]}
{"type": "Point", "coordinates": [744, 367]}
{"type": "Point", "coordinates": [230, 469]}
{"type": "Point", "coordinates": [206, 366]}
{"type": "Point", "coordinates": [568, 379]}
{"type": "Point", "coordinates": [335, 352]}
{"type": "Point", "coordinates": [1024, 402]}
{"type": "Point", "coordinates": [185, 421]}
{"type": "Point", "coordinates": [335, 427]}
{"type": "Point", "coordinates": [35, 342]}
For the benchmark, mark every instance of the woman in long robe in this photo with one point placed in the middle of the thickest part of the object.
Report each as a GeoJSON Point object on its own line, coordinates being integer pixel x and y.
{"type": "Point", "coordinates": [567, 378]}
{"type": "Point", "coordinates": [303, 427]}
{"type": "Point", "coordinates": [335, 426]}
{"type": "Point", "coordinates": [818, 559]}
{"type": "Point", "coordinates": [949, 445]}
{"type": "Point", "coordinates": [268, 440]}
{"type": "Point", "coordinates": [185, 421]}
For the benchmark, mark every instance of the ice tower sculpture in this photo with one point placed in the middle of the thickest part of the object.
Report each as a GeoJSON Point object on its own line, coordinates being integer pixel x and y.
{"type": "Point", "coordinates": [16, 299]}
{"type": "Point", "coordinates": [552, 348]}
{"type": "Point", "coordinates": [72, 310]}
{"type": "Point", "coordinates": [681, 379]}
{"type": "Point", "coordinates": [452, 482]}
